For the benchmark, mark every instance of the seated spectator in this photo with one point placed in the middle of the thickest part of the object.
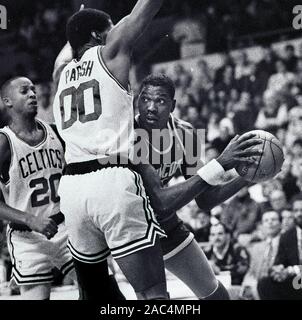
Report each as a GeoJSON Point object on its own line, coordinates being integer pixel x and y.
{"type": "Point", "coordinates": [227, 81]}
{"type": "Point", "coordinates": [241, 214]}
{"type": "Point", "coordinates": [290, 58]}
{"type": "Point", "coordinates": [194, 118]}
{"type": "Point", "coordinates": [294, 129]}
{"type": "Point", "coordinates": [263, 253]}
{"type": "Point", "coordinates": [226, 134]}
{"type": "Point", "coordinates": [226, 255]}
{"type": "Point", "coordinates": [213, 126]}
{"type": "Point", "coordinates": [287, 179]}
{"type": "Point", "coordinates": [265, 67]}
{"type": "Point", "coordinates": [277, 200]}
{"type": "Point", "coordinates": [279, 284]}
{"type": "Point", "coordinates": [244, 114]}
{"type": "Point", "coordinates": [288, 220]}
{"type": "Point", "coordinates": [243, 67]}
{"type": "Point", "coordinates": [211, 153]}
{"type": "Point", "coordinates": [273, 115]}
{"type": "Point", "coordinates": [201, 226]}
{"type": "Point", "coordinates": [278, 80]}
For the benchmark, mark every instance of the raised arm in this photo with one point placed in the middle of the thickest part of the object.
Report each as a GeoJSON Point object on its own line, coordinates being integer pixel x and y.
{"type": "Point", "coordinates": [125, 34]}
{"type": "Point", "coordinates": [63, 58]}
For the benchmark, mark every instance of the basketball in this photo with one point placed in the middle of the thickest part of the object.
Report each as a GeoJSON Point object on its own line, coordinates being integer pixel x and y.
{"type": "Point", "coordinates": [270, 162]}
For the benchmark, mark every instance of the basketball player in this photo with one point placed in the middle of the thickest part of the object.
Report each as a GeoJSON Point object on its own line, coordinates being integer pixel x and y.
{"type": "Point", "coordinates": [102, 197]}
{"type": "Point", "coordinates": [31, 164]}
{"type": "Point", "coordinates": [182, 254]}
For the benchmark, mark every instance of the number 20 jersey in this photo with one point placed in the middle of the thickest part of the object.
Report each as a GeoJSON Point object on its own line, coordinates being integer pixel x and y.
{"type": "Point", "coordinates": [92, 110]}
{"type": "Point", "coordinates": [34, 173]}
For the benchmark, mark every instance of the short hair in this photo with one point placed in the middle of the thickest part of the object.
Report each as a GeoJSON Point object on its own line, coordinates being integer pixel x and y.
{"type": "Point", "coordinates": [5, 86]}
{"type": "Point", "coordinates": [226, 229]}
{"type": "Point", "coordinates": [159, 80]}
{"type": "Point", "coordinates": [269, 209]}
{"type": "Point", "coordinates": [80, 25]}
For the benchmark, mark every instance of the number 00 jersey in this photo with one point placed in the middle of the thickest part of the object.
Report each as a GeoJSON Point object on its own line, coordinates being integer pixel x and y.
{"type": "Point", "coordinates": [93, 112]}
{"type": "Point", "coordinates": [34, 173]}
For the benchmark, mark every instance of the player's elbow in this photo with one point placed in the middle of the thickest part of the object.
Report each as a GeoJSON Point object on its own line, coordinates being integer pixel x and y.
{"type": "Point", "coordinates": [159, 204]}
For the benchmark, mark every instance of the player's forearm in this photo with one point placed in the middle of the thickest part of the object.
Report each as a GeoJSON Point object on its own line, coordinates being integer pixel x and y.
{"type": "Point", "coordinates": [10, 214]}
{"type": "Point", "coordinates": [215, 195]}
{"type": "Point", "coordinates": [64, 57]}
{"type": "Point", "coordinates": [166, 200]}
{"type": "Point", "coordinates": [139, 19]}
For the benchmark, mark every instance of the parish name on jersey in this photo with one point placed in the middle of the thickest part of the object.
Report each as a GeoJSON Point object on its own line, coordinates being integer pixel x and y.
{"type": "Point", "coordinates": [40, 160]}
{"type": "Point", "coordinates": [83, 70]}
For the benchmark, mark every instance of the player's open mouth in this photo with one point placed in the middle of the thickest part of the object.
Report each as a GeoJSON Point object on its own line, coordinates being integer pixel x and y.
{"type": "Point", "coordinates": [151, 118]}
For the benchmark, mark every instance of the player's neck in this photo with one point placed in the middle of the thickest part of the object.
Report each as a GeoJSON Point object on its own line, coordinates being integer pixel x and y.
{"type": "Point", "coordinates": [24, 125]}
{"type": "Point", "coordinates": [83, 49]}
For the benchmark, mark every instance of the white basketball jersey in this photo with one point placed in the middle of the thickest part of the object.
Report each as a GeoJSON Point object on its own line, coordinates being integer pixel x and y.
{"type": "Point", "coordinates": [34, 173]}
{"type": "Point", "coordinates": [93, 112]}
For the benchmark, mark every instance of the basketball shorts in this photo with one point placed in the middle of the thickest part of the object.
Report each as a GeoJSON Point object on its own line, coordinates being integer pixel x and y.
{"type": "Point", "coordinates": [107, 212]}
{"type": "Point", "coordinates": [34, 256]}
{"type": "Point", "coordinates": [178, 236]}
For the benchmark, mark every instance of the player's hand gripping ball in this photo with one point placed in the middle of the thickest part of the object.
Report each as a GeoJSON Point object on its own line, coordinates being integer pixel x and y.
{"type": "Point", "coordinates": [269, 163]}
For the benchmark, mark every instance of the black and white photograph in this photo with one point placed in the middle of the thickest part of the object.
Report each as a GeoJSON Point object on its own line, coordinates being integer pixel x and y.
{"type": "Point", "coordinates": [150, 150]}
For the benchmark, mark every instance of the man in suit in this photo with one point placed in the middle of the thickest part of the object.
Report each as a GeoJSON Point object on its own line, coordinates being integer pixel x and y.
{"type": "Point", "coordinates": [280, 284]}
{"type": "Point", "coordinates": [263, 254]}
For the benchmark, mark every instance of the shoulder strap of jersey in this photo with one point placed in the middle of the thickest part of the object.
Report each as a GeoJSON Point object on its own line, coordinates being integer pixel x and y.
{"type": "Point", "coordinates": [55, 130]}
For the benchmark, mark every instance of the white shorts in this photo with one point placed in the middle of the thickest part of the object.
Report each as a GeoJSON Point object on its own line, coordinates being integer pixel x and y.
{"type": "Point", "coordinates": [34, 256]}
{"type": "Point", "coordinates": [107, 211]}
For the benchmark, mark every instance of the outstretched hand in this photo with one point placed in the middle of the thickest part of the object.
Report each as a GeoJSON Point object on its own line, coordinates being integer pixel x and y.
{"type": "Point", "coordinates": [241, 149]}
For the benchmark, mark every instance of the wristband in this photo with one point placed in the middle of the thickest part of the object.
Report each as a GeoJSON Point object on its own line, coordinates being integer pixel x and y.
{"type": "Point", "coordinates": [212, 173]}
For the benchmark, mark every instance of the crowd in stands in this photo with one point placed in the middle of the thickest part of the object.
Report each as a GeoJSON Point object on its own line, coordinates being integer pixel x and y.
{"type": "Point", "coordinates": [238, 97]}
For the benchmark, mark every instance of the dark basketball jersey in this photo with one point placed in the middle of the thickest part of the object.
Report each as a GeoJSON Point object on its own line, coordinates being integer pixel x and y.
{"type": "Point", "coordinates": [180, 154]}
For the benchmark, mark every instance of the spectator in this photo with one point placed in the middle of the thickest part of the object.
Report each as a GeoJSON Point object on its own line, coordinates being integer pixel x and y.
{"type": "Point", "coordinates": [272, 116]}
{"type": "Point", "coordinates": [277, 200]}
{"type": "Point", "coordinates": [244, 114]}
{"type": "Point", "coordinates": [243, 67]}
{"type": "Point", "coordinates": [290, 58]}
{"type": "Point", "coordinates": [279, 285]}
{"type": "Point", "coordinates": [294, 129]}
{"type": "Point", "coordinates": [288, 220]}
{"type": "Point", "coordinates": [263, 253]}
{"type": "Point", "coordinates": [201, 226]}
{"type": "Point", "coordinates": [211, 153]}
{"type": "Point", "coordinates": [226, 134]}
{"type": "Point", "coordinates": [226, 255]}
{"type": "Point", "coordinates": [193, 117]}
{"type": "Point", "coordinates": [265, 67]}
{"type": "Point", "coordinates": [288, 180]}
{"type": "Point", "coordinates": [227, 82]}
{"type": "Point", "coordinates": [241, 214]}
{"type": "Point", "coordinates": [278, 80]}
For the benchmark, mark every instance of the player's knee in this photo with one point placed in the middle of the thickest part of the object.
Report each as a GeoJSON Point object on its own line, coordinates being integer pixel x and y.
{"type": "Point", "coordinates": [156, 292]}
